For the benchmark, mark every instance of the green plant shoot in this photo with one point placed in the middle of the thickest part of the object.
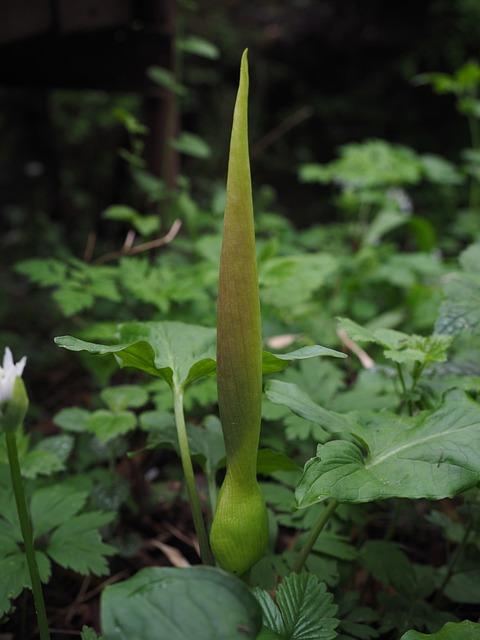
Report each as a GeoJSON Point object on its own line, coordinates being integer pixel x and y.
{"type": "Point", "coordinates": [239, 532]}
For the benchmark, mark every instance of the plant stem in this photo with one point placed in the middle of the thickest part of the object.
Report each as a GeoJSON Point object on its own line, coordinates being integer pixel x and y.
{"type": "Point", "coordinates": [313, 535]}
{"type": "Point", "coordinates": [27, 534]}
{"type": "Point", "coordinates": [453, 560]}
{"type": "Point", "coordinates": [406, 398]}
{"type": "Point", "coordinates": [198, 521]}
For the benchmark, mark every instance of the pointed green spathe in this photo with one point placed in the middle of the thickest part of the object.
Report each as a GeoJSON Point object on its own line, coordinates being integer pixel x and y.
{"type": "Point", "coordinates": [239, 532]}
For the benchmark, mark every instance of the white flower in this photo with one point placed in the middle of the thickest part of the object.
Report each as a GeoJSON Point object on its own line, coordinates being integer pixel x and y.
{"type": "Point", "coordinates": [9, 372]}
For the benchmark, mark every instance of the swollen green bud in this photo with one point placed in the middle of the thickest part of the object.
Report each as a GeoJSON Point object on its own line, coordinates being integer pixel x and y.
{"type": "Point", "coordinates": [239, 532]}
{"type": "Point", "coordinates": [12, 412]}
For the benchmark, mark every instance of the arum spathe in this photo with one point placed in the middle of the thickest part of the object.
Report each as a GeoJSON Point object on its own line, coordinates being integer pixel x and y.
{"type": "Point", "coordinates": [239, 532]}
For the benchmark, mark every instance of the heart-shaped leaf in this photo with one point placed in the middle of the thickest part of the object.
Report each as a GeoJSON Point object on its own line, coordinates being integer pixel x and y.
{"type": "Point", "coordinates": [433, 455]}
{"type": "Point", "coordinates": [180, 604]}
{"type": "Point", "coordinates": [465, 630]}
{"type": "Point", "coordinates": [178, 352]}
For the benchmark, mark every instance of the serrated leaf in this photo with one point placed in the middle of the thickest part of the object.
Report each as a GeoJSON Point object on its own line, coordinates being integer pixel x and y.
{"type": "Point", "coordinates": [76, 544]}
{"type": "Point", "coordinates": [400, 347]}
{"type": "Point", "coordinates": [434, 455]}
{"type": "Point", "coordinates": [47, 272]}
{"type": "Point", "coordinates": [54, 505]}
{"type": "Point", "coordinates": [106, 425]}
{"type": "Point", "coordinates": [72, 299]}
{"type": "Point", "coordinates": [465, 630]}
{"type": "Point", "coordinates": [15, 576]}
{"type": "Point", "coordinates": [180, 604]}
{"type": "Point", "coordinates": [303, 609]}
{"type": "Point", "coordinates": [89, 634]}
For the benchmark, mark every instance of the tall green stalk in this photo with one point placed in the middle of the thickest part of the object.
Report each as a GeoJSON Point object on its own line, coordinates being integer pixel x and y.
{"type": "Point", "coordinates": [27, 534]}
{"type": "Point", "coordinates": [239, 532]}
{"type": "Point", "coordinates": [198, 521]}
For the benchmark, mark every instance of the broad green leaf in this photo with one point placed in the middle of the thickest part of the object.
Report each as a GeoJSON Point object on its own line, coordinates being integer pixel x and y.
{"type": "Point", "coordinates": [464, 585]}
{"type": "Point", "coordinates": [198, 46]}
{"type": "Point", "coordinates": [269, 461]}
{"type": "Point", "coordinates": [384, 222]}
{"type": "Point", "coordinates": [72, 419]}
{"type": "Point", "coordinates": [389, 565]}
{"type": "Point", "coordinates": [303, 609]}
{"type": "Point", "coordinates": [275, 362]}
{"type": "Point", "coordinates": [77, 543]}
{"type": "Point", "coordinates": [124, 396]}
{"type": "Point", "coordinates": [465, 630]}
{"type": "Point", "coordinates": [178, 352]}
{"type": "Point", "coordinates": [180, 604]}
{"type": "Point", "coordinates": [289, 395]}
{"type": "Point", "coordinates": [191, 145]}
{"type": "Point", "coordinates": [433, 455]}
{"type": "Point", "coordinates": [106, 425]}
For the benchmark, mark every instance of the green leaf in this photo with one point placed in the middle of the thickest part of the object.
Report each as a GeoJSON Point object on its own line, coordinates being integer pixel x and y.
{"type": "Point", "coordinates": [72, 419]}
{"type": "Point", "coordinates": [54, 505]}
{"type": "Point", "coordinates": [47, 272]}
{"type": "Point", "coordinates": [289, 395]}
{"type": "Point", "coordinates": [166, 79]}
{"type": "Point", "coordinates": [15, 576]}
{"type": "Point", "coordinates": [145, 225]}
{"type": "Point", "coordinates": [191, 145]}
{"type": "Point", "coordinates": [389, 565]}
{"type": "Point", "coordinates": [433, 455]}
{"type": "Point", "coordinates": [269, 461]}
{"type": "Point", "coordinates": [71, 299]}
{"type": "Point", "coordinates": [275, 362]}
{"type": "Point", "coordinates": [384, 222]}
{"type": "Point", "coordinates": [106, 425]}
{"type": "Point", "coordinates": [124, 396]}
{"type": "Point", "coordinates": [400, 347]}
{"type": "Point", "coordinates": [465, 630]}
{"type": "Point", "coordinates": [198, 46]}
{"type": "Point", "coordinates": [368, 164]}
{"type": "Point", "coordinates": [89, 634]}
{"type": "Point", "coordinates": [77, 544]}
{"type": "Point", "coordinates": [180, 604]}
{"type": "Point", "coordinates": [303, 609]}
{"type": "Point", "coordinates": [180, 353]}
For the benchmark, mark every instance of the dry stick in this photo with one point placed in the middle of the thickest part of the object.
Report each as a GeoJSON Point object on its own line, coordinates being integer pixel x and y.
{"type": "Point", "coordinates": [313, 535]}
{"type": "Point", "coordinates": [90, 246]}
{"type": "Point", "coordinates": [365, 360]}
{"type": "Point", "coordinates": [286, 125]}
{"type": "Point", "coordinates": [145, 246]}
